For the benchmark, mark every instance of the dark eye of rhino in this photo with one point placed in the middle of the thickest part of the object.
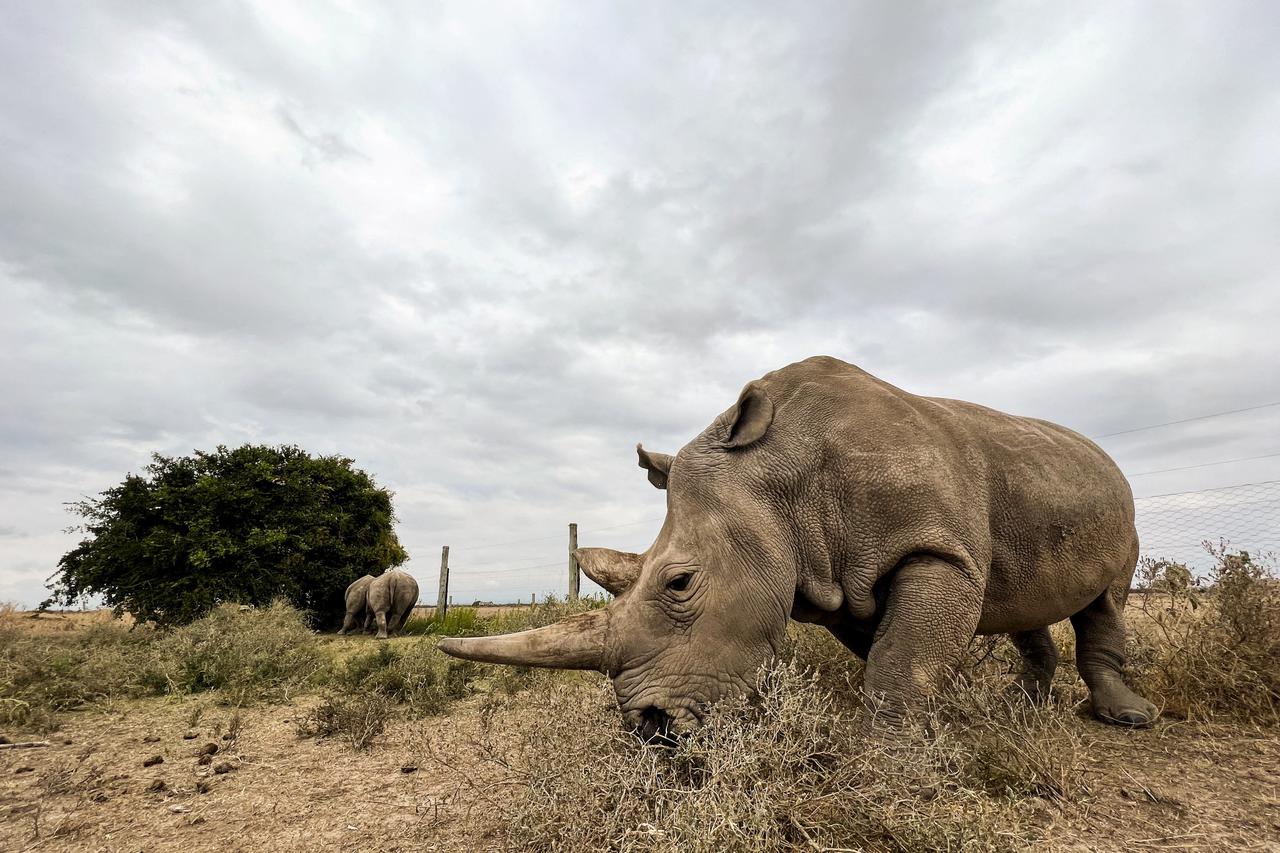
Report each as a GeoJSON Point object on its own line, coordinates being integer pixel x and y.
{"type": "Point", "coordinates": [680, 583]}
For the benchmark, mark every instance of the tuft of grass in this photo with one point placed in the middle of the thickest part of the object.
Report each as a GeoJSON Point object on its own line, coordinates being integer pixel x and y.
{"type": "Point", "coordinates": [415, 674]}
{"type": "Point", "coordinates": [245, 653]}
{"type": "Point", "coordinates": [457, 622]}
{"type": "Point", "coordinates": [1210, 649]}
{"type": "Point", "coordinates": [358, 720]}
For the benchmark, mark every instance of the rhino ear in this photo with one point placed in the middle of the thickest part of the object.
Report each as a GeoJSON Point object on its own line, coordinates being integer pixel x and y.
{"type": "Point", "coordinates": [657, 464]}
{"type": "Point", "coordinates": [616, 571]}
{"type": "Point", "coordinates": [749, 418]}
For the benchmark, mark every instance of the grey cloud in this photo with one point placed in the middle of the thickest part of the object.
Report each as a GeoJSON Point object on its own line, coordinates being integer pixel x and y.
{"type": "Point", "coordinates": [484, 255]}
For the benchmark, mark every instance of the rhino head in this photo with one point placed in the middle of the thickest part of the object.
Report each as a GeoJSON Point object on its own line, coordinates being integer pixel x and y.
{"type": "Point", "coordinates": [698, 613]}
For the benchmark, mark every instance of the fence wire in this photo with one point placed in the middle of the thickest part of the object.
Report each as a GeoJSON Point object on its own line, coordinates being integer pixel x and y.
{"type": "Point", "coordinates": [1173, 526]}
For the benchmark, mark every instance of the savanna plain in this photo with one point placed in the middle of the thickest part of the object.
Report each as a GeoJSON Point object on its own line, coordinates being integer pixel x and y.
{"type": "Point", "coordinates": [247, 728]}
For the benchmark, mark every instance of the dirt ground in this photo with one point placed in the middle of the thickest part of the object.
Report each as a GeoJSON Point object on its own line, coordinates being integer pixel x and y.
{"type": "Point", "coordinates": [1173, 787]}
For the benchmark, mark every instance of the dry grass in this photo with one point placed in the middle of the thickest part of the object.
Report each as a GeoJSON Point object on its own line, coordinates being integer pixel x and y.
{"type": "Point", "coordinates": [1210, 651]}
{"type": "Point", "coordinates": [804, 768]}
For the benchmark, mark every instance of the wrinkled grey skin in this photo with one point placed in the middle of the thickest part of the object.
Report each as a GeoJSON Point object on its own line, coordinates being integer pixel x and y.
{"type": "Point", "coordinates": [392, 596]}
{"type": "Point", "coordinates": [905, 525]}
{"type": "Point", "coordinates": [357, 598]}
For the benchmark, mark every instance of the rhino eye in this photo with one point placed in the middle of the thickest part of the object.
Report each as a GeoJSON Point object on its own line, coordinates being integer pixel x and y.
{"type": "Point", "coordinates": [680, 583]}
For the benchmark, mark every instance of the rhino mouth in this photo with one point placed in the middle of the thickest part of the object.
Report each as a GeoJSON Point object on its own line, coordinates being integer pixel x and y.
{"type": "Point", "coordinates": [662, 726]}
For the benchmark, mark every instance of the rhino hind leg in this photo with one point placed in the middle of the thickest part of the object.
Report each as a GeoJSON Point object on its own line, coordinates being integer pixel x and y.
{"type": "Point", "coordinates": [1100, 639]}
{"type": "Point", "coordinates": [1039, 663]}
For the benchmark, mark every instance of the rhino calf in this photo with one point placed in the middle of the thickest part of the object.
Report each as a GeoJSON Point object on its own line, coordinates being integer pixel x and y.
{"type": "Point", "coordinates": [392, 596]}
{"type": "Point", "coordinates": [905, 525]}
{"type": "Point", "coordinates": [357, 599]}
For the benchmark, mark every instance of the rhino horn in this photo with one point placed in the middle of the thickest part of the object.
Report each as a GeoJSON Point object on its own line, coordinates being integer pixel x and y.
{"type": "Point", "coordinates": [573, 643]}
{"type": "Point", "coordinates": [616, 571]}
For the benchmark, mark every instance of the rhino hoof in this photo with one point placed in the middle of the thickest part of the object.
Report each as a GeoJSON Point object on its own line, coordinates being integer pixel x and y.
{"type": "Point", "coordinates": [1132, 715]}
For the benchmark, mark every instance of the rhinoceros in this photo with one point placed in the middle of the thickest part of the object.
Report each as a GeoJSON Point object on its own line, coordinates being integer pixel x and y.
{"type": "Point", "coordinates": [392, 596]}
{"type": "Point", "coordinates": [903, 524]}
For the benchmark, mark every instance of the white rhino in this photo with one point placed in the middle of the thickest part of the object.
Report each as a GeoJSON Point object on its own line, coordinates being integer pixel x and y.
{"type": "Point", "coordinates": [904, 524]}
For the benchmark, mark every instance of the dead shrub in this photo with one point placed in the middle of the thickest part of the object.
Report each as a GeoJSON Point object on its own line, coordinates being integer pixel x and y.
{"type": "Point", "coordinates": [1210, 649]}
{"type": "Point", "coordinates": [803, 768]}
{"type": "Point", "coordinates": [358, 720]}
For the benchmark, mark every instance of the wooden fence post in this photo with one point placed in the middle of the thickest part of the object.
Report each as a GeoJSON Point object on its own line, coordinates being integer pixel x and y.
{"type": "Point", "coordinates": [573, 561]}
{"type": "Point", "coordinates": [442, 602]}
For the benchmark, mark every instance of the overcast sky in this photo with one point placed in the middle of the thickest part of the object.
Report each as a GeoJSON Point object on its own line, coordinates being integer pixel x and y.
{"type": "Point", "coordinates": [485, 250]}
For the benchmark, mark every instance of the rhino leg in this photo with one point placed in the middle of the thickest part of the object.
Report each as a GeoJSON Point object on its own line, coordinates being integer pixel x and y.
{"type": "Point", "coordinates": [1100, 638]}
{"type": "Point", "coordinates": [930, 616]}
{"type": "Point", "coordinates": [381, 617]}
{"type": "Point", "coordinates": [348, 622]}
{"type": "Point", "coordinates": [1040, 661]}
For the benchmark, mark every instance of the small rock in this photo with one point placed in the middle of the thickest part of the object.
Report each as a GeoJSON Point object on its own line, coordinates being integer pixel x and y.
{"type": "Point", "coordinates": [191, 736]}
{"type": "Point", "coordinates": [223, 767]}
{"type": "Point", "coordinates": [153, 760]}
{"type": "Point", "coordinates": [4, 739]}
{"type": "Point", "coordinates": [208, 749]}
{"type": "Point", "coordinates": [157, 786]}
{"type": "Point", "coordinates": [178, 809]}
{"type": "Point", "coordinates": [203, 787]}
{"type": "Point", "coordinates": [197, 820]}
{"type": "Point", "coordinates": [204, 759]}
{"type": "Point", "coordinates": [99, 797]}
{"type": "Point", "coordinates": [23, 769]}
{"type": "Point", "coordinates": [408, 768]}
{"type": "Point", "coordinates": [228, 736]}
{"type": "Point", "coordinates": [151, 739]}
{"type": "Point", "coordinates": [66, 741]}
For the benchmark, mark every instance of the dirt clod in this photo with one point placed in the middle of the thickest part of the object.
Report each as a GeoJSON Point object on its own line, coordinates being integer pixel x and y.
{"type": "Point", "coordinates": [223, 767]}
{"type": "Point", "coordinates": [151, 739]}
{"type": "Point", "coordinates": [153, 760]}
{"type": "Point", "coordinates": [23, 769]}
{"type": "Point", "coordinates": [157, 786]}
{"type": "Point", "coordinates": [409, 768]}
{"type": "Point", "coordinates": [204, 759]}
{"type": "Point", "coordinates": [208, 749]}
{"type": "Point", "coordinates": [191, 736]}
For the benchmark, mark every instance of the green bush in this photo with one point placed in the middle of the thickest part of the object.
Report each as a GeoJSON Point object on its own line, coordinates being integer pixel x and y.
{"type": "Point", "coordinates": [247, 525]}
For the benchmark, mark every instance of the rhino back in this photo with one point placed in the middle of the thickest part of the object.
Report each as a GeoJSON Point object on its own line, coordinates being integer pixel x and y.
{"type": "Point", "coordinates": [1038, 515]}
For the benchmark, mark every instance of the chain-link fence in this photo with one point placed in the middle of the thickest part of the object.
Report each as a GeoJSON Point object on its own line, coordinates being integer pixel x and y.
{"type": "Point", "coordinates": [1173, 526]}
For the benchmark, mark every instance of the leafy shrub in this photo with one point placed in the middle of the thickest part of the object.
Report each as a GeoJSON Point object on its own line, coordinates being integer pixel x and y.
{"type": "Point", "coordinates": [248, 525]}
{"type": "Point", "coordinates": [1211, 649]}
{"type": "Point", "coordinates": [357, 719]}
{"type": "Point", "coordinates": [247, 653]}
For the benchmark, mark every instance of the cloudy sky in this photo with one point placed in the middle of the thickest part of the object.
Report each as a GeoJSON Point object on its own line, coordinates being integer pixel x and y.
{"type": "Point", "coordinates": [484, 250]}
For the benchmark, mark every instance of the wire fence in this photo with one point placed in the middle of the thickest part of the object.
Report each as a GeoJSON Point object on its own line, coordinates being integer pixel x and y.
{"type": "Point", "coordinates": [1174, 526]}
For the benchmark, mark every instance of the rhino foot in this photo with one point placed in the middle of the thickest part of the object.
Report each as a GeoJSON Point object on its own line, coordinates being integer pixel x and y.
{"type": "Point", "coordinates": [1120, 706]}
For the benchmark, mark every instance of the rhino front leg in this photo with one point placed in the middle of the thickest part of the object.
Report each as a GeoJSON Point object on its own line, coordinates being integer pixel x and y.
{"type": "Point", "coordinates": [1100, 640]}
{"type": "Point", "coordinates": [930, 616]}
{"type": "Point", "coordinates": [1039, 662]}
